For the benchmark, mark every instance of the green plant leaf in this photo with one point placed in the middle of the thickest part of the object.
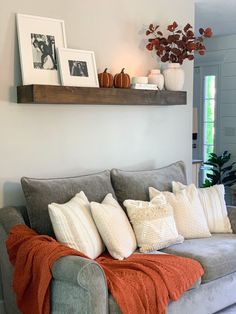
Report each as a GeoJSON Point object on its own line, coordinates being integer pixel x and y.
{"type": "Point", "coordinates": [213, 159]}
{"type": "Point", "coordinates": [213, 154]}
{"type": "Point", "coordinates": [231, 173]}
{"type": "Point", "coordinates": [230, 184]}
{"type": "Point", "coordinates": [229, 178]}
{"type": "Point", "coordinates": [218, 171]}
{"type": "Point", "coordinates": [207, 183]}
{"type": "Point", "coordinates": [210, 163]}
{"type": "Point", "coordinates": [225, 159]}
{"type": "Point", "coordinates": [210, 176]}
{"type": "Point", "coordinates": [228, 168]}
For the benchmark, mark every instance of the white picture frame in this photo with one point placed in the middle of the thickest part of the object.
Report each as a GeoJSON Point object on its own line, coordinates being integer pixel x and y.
{"type": "Point", "coordinates": [77, 68]}
{"type": "Point", "coordinates": [39, 38]}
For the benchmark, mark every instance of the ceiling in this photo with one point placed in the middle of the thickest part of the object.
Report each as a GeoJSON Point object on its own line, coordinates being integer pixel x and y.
{"type": "Point", "coordinates": [220, 15]}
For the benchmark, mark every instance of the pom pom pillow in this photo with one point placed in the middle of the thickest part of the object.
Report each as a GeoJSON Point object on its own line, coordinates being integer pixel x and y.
{"type": "Point", "coordinates": [153, 223]}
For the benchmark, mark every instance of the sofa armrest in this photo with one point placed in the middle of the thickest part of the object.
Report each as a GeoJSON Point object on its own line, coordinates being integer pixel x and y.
{"type": "Point", "coordinates": [83, 277]}
{"type": "Point", "coordinates": [78, 284]}
{"type": "Point", "coordinates": [232, 217]}
{"type": "Point", "coordinates": [9, 217]}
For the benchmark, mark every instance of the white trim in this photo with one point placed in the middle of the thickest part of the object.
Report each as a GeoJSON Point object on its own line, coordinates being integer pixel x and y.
{"type": "Point", "coordinates": [217, 145]}
{"type": "Point", "coordinates": [211, 58]}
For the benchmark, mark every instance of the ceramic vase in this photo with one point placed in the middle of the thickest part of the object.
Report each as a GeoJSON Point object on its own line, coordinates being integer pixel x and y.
{"type": "Point", "coordinates": [155, 77]}
{"type": "Point", "coordinates": [174, 77]}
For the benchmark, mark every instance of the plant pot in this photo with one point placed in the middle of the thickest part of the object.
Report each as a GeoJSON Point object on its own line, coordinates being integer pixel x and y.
{"type": "Point", "coordinates": [155, 77]}
{"type": "Point", "coordinates": [174, 77]}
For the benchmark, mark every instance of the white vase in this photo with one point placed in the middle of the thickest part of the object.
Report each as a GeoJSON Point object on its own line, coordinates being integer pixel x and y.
{"type": "Point", "coordinates": [174, 77]}
{"type": "Point", "coordinates": [155, 77]}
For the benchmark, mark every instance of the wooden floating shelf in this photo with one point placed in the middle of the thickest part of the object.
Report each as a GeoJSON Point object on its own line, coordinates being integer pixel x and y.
{"type": "Point", "coordinates": [50, 94]}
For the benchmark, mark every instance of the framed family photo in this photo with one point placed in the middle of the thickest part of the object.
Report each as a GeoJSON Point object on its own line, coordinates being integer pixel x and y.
{"type": "Point", "coordinates": [77, 68]}
{"type": "Point", "coordinates": [39, 38]}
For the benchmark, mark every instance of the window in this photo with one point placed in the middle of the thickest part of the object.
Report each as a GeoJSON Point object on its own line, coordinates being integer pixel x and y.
{"type": "Point", "coordinates": [206, 101]}
{"type": "Point", "coordinates": [209, 105]}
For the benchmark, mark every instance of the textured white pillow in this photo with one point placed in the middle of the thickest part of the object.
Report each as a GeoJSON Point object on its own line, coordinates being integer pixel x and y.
{"type": "Point", "coordinates": [213, 203]}
{"type": "Point", "coordinates": [73, 225]}
{"type": "Point", "coordinates": [188, 212]}
{"type": "Point", "coordinates": [153, 223]}
{"type": "Point", "coordinates": [114, 227]}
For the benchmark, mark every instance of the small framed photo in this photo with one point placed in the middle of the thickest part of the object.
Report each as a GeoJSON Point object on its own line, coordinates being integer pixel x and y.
{"type": "Point", "coordinates": [39, 38]}
{"type": "Point", "coordinates": [77, 68]}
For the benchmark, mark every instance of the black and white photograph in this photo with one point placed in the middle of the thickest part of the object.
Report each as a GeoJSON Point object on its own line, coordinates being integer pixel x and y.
{"type": "Point", "coordinates": [44, 52]}
{"type": "Point", "coordinates": [78, 68]}
{"type": "Point", "coordinates": [38, 39]}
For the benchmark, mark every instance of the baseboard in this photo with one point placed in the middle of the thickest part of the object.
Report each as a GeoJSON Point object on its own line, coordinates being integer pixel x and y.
{"type": "Point", "coordinates": [2, 310]}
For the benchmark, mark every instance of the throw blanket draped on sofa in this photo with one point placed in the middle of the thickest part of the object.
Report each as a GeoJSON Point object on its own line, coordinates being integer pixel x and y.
{"type": "Point", "coordinates": [143, 283]}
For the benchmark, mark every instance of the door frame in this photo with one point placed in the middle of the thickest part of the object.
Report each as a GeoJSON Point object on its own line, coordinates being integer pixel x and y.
{"type": "Point", "coordinates": [202, 73]}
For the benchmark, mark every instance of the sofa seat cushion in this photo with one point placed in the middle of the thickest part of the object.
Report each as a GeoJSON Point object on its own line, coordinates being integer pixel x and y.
{"type": "Point", "coordinates": [134, 184]}
{"type": "Point", "coordinates": [41, 192]}
{"type": "Point", "coordinates": [217, 254]}
{"type": "Point", "coordinates": [113, 306]}
{"type": "Point", "coordinates": [197, 283]}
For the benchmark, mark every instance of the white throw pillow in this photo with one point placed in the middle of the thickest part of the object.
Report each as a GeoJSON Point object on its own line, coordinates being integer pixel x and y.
{"type": "Point", "coordinates": [188, 212]}
{"type": "Point", "coordinates": [114, 227]}
{"type": "Point", "coordinates": [213, 203]}
{"type": "Point", "coordinates": [153, 223]}
{"type": "Point", "coordinates": [73, 226]}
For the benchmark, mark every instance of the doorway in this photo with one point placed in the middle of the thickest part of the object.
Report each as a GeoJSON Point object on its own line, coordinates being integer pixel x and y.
{"type": "Point", "coordinates": [205, 102]}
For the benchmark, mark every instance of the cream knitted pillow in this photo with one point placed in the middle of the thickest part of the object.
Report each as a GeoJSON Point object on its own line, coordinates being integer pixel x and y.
{"type": "Point", "coordinates": [213, 203]}
{"type": "Point", "coordinates": [114, 227]}
{"type": "Point", "coordinates": [188, 212]}
{"type": "Point", "coordinates": [153, 223]}
{"type": "Point", "coordinates": [73, 226]}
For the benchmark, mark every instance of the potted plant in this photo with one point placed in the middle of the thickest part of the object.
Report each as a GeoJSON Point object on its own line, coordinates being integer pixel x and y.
{"type": "Point", "coordinates": [219, 172]}
{"type": "Point", "coordinates": [175, 47]}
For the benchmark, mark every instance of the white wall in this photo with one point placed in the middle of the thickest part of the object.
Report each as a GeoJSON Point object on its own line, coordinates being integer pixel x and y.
{"type": "Point", "coordinates": [64, 140]}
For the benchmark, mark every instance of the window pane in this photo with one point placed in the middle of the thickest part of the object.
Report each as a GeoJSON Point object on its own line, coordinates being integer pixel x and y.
{"type": "Point", "coordinates": [207, 150]}
{"type": "Point", "coordinates": [209, 132]}
{"type": "Point", "coordinates": [208, 123]}
{"type": "Point", "coordinates": [209, 88]}
{"type": "Point", "coordinates": [209, 110]}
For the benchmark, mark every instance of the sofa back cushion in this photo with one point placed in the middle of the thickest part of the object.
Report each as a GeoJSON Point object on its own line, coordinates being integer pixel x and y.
{"type": "Point", "coordinates": [41, 192]}
{"type": "Point", "coordinates": [134, 184]}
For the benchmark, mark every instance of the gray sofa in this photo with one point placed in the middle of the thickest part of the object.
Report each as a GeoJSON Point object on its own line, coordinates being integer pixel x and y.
{"type": "Point", "coordinates": [79, 285]}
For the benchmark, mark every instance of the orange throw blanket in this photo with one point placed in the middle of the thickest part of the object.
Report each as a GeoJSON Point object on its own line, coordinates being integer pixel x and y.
{"type": "Point", "coordinates": [143, 283]}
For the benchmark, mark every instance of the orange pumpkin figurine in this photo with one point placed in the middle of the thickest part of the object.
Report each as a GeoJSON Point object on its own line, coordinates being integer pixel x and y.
{"type": "Point", "coordinates": [122, 80]}
{"type": "Point", "coordinates": [105, 79]}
